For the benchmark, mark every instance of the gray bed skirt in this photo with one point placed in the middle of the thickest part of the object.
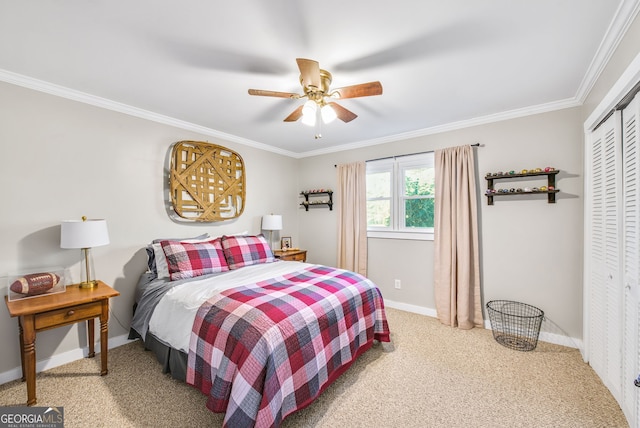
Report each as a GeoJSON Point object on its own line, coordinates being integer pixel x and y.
{"type": "Point", "coordinates": [173, 361]}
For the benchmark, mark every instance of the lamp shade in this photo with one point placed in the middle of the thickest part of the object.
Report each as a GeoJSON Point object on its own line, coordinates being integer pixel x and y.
{"type": "Point", "coordinates": [84, 233]}
{"type": "Point", "coordinates": [272, 222]}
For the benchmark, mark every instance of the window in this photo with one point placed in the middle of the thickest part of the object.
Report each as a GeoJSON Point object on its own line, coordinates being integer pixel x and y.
{"type": "Point", "coordinates": [400, 197]}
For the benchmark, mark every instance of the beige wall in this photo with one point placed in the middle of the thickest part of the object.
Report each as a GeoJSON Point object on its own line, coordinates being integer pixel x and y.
{"type": "Point", "coordinates": [62, 159]}
{"type": "Point", "coordinates": [531, 250]}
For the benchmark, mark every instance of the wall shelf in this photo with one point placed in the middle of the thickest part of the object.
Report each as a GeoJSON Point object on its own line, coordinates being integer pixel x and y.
{"type": "Point", "coordinates": [315, 202]}
{"type": "Point", "coordinates": [551, 184]}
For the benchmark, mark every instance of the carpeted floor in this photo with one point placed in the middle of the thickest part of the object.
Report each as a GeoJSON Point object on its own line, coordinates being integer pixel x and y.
{"type": "Point", "coordinates": [429, 376]}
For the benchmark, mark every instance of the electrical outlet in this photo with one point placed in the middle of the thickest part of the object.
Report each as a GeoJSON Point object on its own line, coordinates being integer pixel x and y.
{"type": "Point", "coordinates": [397, 284]}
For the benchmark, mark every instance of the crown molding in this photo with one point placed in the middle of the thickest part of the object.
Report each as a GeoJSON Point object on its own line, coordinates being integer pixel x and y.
{"type": "Point", "coordinates": [622, 19]}
{"type": "Point", "coordinates": [83, 97]}
{"type": "Point", "coordinates": [454, 126]}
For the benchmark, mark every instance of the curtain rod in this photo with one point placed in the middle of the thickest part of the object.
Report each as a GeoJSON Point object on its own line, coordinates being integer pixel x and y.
{"type": "Point", "coordinates": [408, 154]}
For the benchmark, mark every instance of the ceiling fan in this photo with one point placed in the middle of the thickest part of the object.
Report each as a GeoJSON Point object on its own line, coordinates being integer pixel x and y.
{"type": "Point", "coordinates": [315, 84]}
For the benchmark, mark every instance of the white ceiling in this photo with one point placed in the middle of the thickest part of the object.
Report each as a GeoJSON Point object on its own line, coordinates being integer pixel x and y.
{"type": "Point", "coordinates": [191, 62]}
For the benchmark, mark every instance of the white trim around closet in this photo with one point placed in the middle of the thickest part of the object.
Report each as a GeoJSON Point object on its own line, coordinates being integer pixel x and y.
{"type": "Point", "coordinates": [623, 85]}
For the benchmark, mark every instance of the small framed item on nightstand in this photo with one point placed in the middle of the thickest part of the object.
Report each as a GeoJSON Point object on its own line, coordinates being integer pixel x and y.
{"type": "Point", "coordinates": [285, 243]}
{"type": "Point", "coordinates": [35, 283]}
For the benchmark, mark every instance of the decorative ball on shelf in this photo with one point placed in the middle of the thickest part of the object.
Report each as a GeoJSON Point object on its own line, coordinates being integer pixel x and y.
{"type": "Point", "coordinates": [524, 171]}
{"type": "Point", "coordinates": [538, 170]}
{"type": "Point", "coordinates": [500, 173]}
{"type": "Point", "coordinates": [512, 172]}
{"type": "Point", "coordinates": [519, 190]}
{"type": "Point", "coordinates": [550, 188]}
{"type": "Point", "coordinates": [512, 190]}
{"type": "Point", "coordinates": [488, 174]}
{"type": "Point", "coordinates": [527, 189]}
{"type": "Point", "coordinates": [543, 188]}
{"type": "Point", "coordinates": [535, 189]}
{"type": "Point", "coordinates": [488, 192]}
{"type": "Point", "coordinates": [549, 169]}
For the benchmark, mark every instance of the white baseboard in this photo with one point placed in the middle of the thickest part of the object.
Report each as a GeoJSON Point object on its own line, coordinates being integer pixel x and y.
{"type": "Point", "coordinates": [556, 339]}
{"type": "Point", "coordinates": [411, 308]}
{"type": "Point", "coordinates": [114, 342]}
{"type": "Point", "coordinates": [63, 358]}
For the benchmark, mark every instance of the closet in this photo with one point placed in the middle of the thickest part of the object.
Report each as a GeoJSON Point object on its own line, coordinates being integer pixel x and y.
{"type": "Point", "coordinates": [612, 255]}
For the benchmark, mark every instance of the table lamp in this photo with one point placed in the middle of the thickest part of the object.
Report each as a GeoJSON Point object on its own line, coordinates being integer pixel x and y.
{"type": "Point", "coordinates": [84, 234]}
{"type": "Point", "coordinates": [271, 222]}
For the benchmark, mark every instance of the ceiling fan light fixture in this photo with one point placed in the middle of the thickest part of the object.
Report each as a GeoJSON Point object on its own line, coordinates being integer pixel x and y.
{"type": "Point", "coordinates": [315, 85]}
{"type": "Point", "coordinates": [328, 114]}
{"type": "Point", "coordinates": [309, 108]}
{"type": "Point", "coordinates": [309, 119]}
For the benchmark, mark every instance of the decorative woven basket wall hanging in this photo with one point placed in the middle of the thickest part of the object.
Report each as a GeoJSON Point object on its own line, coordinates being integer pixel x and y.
{"type": "Point", "coordinates": [207, 182]}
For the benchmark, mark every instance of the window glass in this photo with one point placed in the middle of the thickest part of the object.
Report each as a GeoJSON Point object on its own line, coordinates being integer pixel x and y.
{"type": "Point", "coordinates": [400, 195]}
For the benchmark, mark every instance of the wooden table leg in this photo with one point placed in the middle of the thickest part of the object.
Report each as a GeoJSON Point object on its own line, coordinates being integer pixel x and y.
{"type": "Point", "coordinates": [91, 332]}
{"type": "Point", "coordinates": [104, 336]}
{"type": "Point", "coordinates": [24, 377]}
{"type": "Point", "coordinates": [28, 338]}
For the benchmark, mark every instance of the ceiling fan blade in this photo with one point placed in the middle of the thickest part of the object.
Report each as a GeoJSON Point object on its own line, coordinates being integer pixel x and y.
{"type": "Point", "coordinates": [361, 90]}
{"type": "Point", "coordinates": [297, 114]}
{"type": "Point", "coordinates": [263, 93]}
{"type": "Point", "coordinates": [309, 72]}
{"type": "Point", "coordinates": [342, 113]}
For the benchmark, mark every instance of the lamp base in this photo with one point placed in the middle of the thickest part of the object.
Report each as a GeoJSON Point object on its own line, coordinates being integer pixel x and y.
{"type": "Point", "coordinates": [88, 284]}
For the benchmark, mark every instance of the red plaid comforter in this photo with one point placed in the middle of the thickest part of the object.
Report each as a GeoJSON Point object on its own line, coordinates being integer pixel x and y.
{"type": "Point", "coordinates": [265, 350]}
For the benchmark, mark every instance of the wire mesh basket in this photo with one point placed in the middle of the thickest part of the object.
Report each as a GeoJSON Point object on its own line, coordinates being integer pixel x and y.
{"type": "Point", "coordinates": [515, 325]}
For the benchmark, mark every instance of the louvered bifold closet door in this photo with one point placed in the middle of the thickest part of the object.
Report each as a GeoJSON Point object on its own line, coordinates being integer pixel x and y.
{"type": "Point", "coordinates": [631, 236]}
{"type": "Point", "coordinates": [605, 290]}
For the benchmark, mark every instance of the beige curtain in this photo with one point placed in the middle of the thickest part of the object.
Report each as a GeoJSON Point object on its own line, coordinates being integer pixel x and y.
{"type": "Point", "coordinates": [352, 217]}
{"type": "Point", "coordinates": [457, 268]}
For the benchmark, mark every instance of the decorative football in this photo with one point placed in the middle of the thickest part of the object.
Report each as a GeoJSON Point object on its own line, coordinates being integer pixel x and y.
{"type": "Point", "coordinates": [35, 283]}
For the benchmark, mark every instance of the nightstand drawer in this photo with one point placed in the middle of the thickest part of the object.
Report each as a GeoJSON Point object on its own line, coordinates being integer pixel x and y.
{"type": "Point", "coordinates": [295, 255]}
{"type": "Point", "coordinates": [70, 315]}
{"type": "Point", "coordinates": [299, 257]}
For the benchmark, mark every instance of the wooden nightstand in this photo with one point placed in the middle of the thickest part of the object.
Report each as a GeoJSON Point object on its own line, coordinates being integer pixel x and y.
{"type": "Point", "coordinates": [291, 255]}
{"type": "Point", "coordinates": [56, 310]}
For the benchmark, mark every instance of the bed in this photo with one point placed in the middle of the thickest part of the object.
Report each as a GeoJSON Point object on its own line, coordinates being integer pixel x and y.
{"type": "Point", "coordinates": [262, 338]}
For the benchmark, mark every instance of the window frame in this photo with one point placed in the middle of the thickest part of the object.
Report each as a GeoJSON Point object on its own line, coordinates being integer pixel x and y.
{"type": "Point", "coordinates": [397, 167]}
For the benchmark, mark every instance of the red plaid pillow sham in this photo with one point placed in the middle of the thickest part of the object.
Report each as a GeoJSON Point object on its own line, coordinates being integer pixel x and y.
{"type": "Point", "coordinates": [192, 259]}
{"type": "Point", "coordinates": [246, 250]}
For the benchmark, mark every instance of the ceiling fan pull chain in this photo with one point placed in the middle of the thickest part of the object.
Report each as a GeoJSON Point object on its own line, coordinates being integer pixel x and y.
{"type": "Point", "coordinates": [318, 125]}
